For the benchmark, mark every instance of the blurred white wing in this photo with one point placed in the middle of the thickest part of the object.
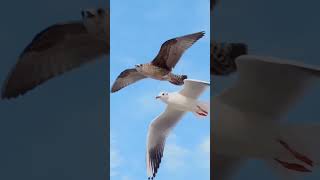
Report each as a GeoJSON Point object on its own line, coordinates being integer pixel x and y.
{"type": "Point", "coordinates": [157, 134]}
{"type": "Point", "coordinates": [267, 86]}
{"type": "Point", "coordinates": [193, 88]}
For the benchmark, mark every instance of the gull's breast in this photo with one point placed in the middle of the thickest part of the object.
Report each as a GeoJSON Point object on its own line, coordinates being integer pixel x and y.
{"type": "Point", "coordinates": [154, 72]}
{"type": "Point", "coordinates": [182, 103]}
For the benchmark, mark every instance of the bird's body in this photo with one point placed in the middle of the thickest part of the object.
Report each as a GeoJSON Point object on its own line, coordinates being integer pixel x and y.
{"type": "Point", "coordinates": [158, 73]}
{"type": "Point", "coordinates": [181, 102]}
{"type": "Point", "coordinates": [160, 68]}
{"type": "Point", "coordinates": [247, 117]}
{"type": "Point", "coordinates": [178, 103]}
{"type": "Point", "coordinates": [58, 49]}
{"type": "Point", "coordinates": [153, 71]}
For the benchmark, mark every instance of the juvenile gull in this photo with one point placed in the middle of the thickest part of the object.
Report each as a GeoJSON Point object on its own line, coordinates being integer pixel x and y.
{"type": "Point", "coordinates": [58, 49]}
{"type": "Point", "coordinates": [178, 103]}
{"type": "Point", "coordinates": [161, 66]}
{"type": "Point", "coordinates": [246, 123]}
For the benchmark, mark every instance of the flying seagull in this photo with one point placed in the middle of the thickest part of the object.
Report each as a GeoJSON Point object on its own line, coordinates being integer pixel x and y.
{"type": "Point", "coordinates": [178, 104]}
{"type": "Point", "coordinates": [161, 66]}
{"type": "Point", "coordinates": [58, 49]}
{"type": "Point", "coordinates": [246, 123]}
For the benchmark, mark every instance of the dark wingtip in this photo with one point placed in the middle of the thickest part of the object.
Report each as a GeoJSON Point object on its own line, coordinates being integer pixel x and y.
{"type": "Point", "coordinates": [202, 33]}
{"type": "Point", "coordinates": [114, 89]}
{"type": "Point", "coordinates": [5, 94]}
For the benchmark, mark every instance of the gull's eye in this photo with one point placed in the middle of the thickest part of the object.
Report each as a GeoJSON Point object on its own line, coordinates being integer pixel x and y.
{"type": "Point", "coordinates": [162, 94]}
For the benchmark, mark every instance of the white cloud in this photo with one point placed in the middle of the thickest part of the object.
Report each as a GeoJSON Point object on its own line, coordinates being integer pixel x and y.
{"type": "Point", "coordinates": [179, 158]}
{"type": "Point", "coordinates": [175, 157]}
{"type": "Point", "coordinates": [115, 157]}
{"type": "Point", "coordinates": [202, 156]}
{"type": "Point", "coordinates": [126, 178]}
{"type": "Point", "coordinates": [205, 146]}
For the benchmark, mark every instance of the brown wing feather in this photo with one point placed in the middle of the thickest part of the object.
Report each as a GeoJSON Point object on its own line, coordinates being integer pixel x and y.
{"type": "Point", "coordinates": [52, 35]}
{"type": "Point", "coordinates": [126, 78]}
{"type": "Point", "coordinates": [54, 51]}
{"type": "Point", "coordinates": [172, 50]}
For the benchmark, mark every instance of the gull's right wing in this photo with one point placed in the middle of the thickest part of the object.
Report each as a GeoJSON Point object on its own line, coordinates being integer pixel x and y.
{"type": "Point", "coordinates": [193, 88]}
{"type": "Point", "coordinates": [268, 86]}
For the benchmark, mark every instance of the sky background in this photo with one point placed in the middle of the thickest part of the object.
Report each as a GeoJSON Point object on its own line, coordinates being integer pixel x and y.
{"type": "Point", "coordinates": [56, 130]}
{"type": "Point", "coordinates": [287, 29]}
{"type": "Point", "coordinates": [138, 28]}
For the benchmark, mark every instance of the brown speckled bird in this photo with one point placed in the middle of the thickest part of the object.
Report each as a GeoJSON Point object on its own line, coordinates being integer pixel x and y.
{"type": "Point", "coordinates": [160, 68]}
{"type": "Point", "coordinates": [59, 49]}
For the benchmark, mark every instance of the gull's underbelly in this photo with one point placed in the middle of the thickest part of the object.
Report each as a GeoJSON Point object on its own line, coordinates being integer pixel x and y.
{"type": "Point", "coordinates": [155, 72]}
{"type": "Point", "coordinates": [235, 134]}
{"type": "Point", "coordinates": [183, 103]}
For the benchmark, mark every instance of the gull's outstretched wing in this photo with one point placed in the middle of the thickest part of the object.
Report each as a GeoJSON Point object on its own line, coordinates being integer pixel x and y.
{"type": "Point", "coordinates": [157, 134]}
{"type": "Point", "coordinates": [194, 88]}
{"type": "Point", "coordinates": [172, 50]}
{"type": "Point", "coordinates": [267, 86]}
{"type": "Point", "coordinates": [55, 50]}
{"type": "Point", "coordinates": [126, 78]}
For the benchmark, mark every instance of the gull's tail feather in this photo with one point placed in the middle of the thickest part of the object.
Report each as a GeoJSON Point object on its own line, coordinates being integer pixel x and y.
{"type": "Point", "coordinates": [223, 57]}
{"type": "Point", "coordinates": [177, 79]}
{"type": "Point", "coordinates": [202, 109]}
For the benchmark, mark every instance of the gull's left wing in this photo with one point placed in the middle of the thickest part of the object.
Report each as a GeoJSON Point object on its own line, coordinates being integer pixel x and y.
{"type": "Point", "coordinates": [54, 51]}
{"type": "Point", "coordinates": [157, 134]}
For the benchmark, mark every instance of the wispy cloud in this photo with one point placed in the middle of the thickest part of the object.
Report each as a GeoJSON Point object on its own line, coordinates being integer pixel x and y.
{"type": "Point", "coordinates": [126, 178]}
{"type": "Point", "coordinates": [203, 157]}
{"type": "Point", "coordinates": [179, 158]}
{"type": "Point", "coordinates": [205, 146]}
{"type": "Point", "coordinates": [115, 157]}
{"type": "Point", "coordinates": [175, 157]}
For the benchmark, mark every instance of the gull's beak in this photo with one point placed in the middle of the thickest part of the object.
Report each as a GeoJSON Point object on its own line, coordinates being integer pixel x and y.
{"type": "Point", "coordinates": [157, 97]}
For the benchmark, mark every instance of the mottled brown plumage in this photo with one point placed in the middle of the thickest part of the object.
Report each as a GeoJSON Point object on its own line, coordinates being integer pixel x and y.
{"type": "Point", "coordinates": [160, 68]}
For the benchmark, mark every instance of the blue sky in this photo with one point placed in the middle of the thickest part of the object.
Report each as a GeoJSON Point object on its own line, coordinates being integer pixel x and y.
{"type": "Point", "coordinates": [287, 29]}
{"type": "Point", "coordinates": [138, 28]}
{"type": "Point", "coordinates": [56, 130]}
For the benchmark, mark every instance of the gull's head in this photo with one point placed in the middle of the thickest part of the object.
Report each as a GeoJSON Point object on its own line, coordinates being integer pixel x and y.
{"type": "Point", "coordinates": [163, 96]}
{"type": "Point", "coordinates": [95, 20]}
